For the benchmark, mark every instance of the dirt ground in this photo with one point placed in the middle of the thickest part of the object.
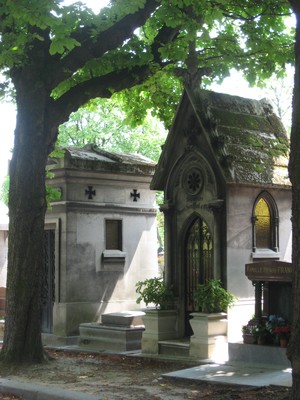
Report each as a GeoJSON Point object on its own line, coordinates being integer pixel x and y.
{"type": "Point", "coordinates": [118, 377]}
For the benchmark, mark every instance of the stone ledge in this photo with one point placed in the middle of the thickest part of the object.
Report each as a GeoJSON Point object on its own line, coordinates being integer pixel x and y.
{"type": "Point", "coordinates": [124, 318]}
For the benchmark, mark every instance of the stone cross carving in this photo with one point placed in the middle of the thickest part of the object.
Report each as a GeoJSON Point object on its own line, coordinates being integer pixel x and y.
{"type": "Point", "coordinates": [135, 195]}
{"type": "Point", "coordinates": [90, 192]}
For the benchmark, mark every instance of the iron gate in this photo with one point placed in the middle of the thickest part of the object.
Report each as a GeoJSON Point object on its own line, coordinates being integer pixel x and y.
{"type": "Point", "coordinates": [199, 259]}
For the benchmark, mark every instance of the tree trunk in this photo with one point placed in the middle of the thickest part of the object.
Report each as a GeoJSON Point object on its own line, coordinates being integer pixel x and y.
{"type": "Point", "coordinates": [294, 172]}
{"type": "Point", "coordinates": [27, 206]}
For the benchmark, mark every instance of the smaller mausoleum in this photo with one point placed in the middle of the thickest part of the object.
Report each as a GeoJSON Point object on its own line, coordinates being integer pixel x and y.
{"type": "Point", "coordinates": [100, 237]}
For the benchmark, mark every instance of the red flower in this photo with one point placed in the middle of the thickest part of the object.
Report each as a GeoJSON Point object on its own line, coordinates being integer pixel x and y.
{"type": "Point", "coordinates": [282, 329]}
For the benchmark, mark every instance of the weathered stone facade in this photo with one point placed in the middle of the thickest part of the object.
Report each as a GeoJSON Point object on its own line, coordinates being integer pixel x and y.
{"type": "Point", "coordinates": [89, 276]}
{"type": "Point", "coordinates": [223, 153]}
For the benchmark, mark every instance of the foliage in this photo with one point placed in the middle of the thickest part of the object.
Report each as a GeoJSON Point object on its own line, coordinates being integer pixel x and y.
{"type": "Point", "coordinates": [272, 329]}
{"type": "Point", "coordinates": [104, 123]}
{"type": "Point", "coordinates": [211, 297]}
{"type": "Point", "coordinates": [260, 331]}
{"type": "Point", "coordinates": [155, 291]}
{"type": "Point", "coordinates": [280, 92]}
{"type": "Point", "coordinates": [152, 95]}
{"type": "Point", "coordinates": [59, 57]}
{"type": "Point", "coordinates": [225, 36]}
{"type": "Point", "coordinates": [5, 191]}
{"type": "Point", "coordinates": [247, 329]}
{"type": "Point", "coordinates": [52, 194]}
{"type": "Point", "coordinates": [278, 327]}
{"type": "Point", "coordinates": [283, 332]}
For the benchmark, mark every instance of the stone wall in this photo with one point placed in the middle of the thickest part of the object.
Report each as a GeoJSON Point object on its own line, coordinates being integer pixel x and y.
{"type": "Point", "coordinates": [240, 201]}
{"type": "Point", "coordinates": [90, 279]}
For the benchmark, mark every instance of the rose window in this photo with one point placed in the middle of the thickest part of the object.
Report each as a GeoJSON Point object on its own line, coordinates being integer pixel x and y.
{"type": "Point", "coordinates": [193, 181]}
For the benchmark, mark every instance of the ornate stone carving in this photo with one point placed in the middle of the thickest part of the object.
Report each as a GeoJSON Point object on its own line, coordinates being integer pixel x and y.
{"type": "Point", "coordinates": [193, 181]}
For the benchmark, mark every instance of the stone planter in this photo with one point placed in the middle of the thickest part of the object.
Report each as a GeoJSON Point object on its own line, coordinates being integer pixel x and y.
{"type": "Point", "coordinates": [210, 331]}
{"type": "Point", "coordinates": [159, 325]}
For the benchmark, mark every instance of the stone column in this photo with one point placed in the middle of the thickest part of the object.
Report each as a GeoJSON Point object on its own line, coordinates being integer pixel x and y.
{"type": "Point", "coordinates": [167, 209]}
{"type": "Point", "coordinates": [258, 298]}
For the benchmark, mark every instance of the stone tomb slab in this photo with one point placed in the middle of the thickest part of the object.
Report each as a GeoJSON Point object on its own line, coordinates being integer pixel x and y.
{"type": "Point", "coordinates": [258, 354]}
{"type": "Point", "coordinates": [125, 318]}
{"type": "Point", "coordinates": [121, 331]}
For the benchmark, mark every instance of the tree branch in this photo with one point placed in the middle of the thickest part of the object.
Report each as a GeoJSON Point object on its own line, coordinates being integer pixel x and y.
{"type": "Point", "coordinates": [107, 40]}
{"type": "Point", "coordinates": [104, 86]}
{"type": "Point", "coordinates": [237, 16]}
{"type": "Point", "coordinates": [164, 36]}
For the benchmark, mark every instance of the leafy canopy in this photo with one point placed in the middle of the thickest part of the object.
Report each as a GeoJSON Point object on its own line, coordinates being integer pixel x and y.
{"type": "Point", "coordinates": [104, 123]}
{"type": "Point", "coordinates": [251, 37]}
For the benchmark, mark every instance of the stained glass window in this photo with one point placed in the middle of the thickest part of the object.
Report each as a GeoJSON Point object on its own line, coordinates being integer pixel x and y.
{"type": "Point", "coordinates": [263, 225]}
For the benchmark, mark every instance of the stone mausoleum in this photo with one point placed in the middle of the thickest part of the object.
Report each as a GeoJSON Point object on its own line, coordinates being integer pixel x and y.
{"type": "Point", "coordinates": [227, 198]}
{"type": "Point", "coordinates": [100, 237]}
{"type": "Point", "coordinates": [227, 208]}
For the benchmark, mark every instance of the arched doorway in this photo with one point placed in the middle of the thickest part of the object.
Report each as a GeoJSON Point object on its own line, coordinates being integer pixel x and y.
{"type": "Point", "coordinates": [198, 263]}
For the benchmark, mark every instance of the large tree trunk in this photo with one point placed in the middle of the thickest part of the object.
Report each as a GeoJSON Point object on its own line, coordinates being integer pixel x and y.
{"type": "Point", "coordinates": [294, 172]}
{"type": "Point", "coordinates": [27, 206]}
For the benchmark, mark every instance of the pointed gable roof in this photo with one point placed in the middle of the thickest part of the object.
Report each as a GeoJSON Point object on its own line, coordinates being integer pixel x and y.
{"type": "Point", "coordinates": [245, 138]}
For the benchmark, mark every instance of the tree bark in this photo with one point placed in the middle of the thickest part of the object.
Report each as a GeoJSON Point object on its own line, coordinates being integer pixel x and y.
{"type": "Point", "coordinates": [38, 118]}
{"type": "Point", "coordinates": [27, 205]}
{"type": "Point", "coordinates": [294, 173]}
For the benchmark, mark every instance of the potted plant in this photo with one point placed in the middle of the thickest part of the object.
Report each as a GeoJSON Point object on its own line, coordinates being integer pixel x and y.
{"type": "Point", "coordinates": [283, 333]}
{"type": "Point", "coordinates": [260, 333]}
{"type": "Point", "coordinates": [211, 297]}
{"type": "Point", "coordinates": [279, 329]}
{"type": "Point", "coordinates": [155, 291]}
{"type": "Point", "coordinates": [210, 324]}
{"type": "Point", "coordinates": [248, 336]}
{"type": "Point", "coordinates": [160, 320]}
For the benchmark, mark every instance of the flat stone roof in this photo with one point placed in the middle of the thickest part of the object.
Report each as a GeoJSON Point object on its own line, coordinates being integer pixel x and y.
{"type": "Point", "coordinates": [91, 157]}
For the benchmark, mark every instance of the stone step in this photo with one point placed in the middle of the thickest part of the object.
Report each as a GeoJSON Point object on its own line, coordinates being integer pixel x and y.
{"type": "Point", "coordinates": [113, 338]}
{"type": "Point", "coordinates": [120, 331]}
{"type": "Point", "coordinates": [175, 347]}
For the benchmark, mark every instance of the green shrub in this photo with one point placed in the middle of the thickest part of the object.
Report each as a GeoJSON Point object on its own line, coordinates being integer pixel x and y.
{"type": "Point", "coordinates": [211, 297]}
{"type": "Point", "coordinates": [155, 291]}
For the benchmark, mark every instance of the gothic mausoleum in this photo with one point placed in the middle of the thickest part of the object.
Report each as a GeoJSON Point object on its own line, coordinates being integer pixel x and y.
{"type": "Point", "coordinates": [100, 237]}
{"type": "Point", "coordinates": [227, 199]}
